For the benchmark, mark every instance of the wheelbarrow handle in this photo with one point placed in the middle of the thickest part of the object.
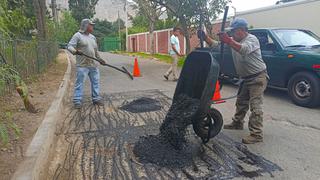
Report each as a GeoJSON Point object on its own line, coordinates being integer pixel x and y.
{"type": "Point", "coordinates": [123, 70]}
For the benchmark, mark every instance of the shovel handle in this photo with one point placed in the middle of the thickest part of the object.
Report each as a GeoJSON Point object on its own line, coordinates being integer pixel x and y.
{"type": "Point", "coordinates": [123, 70]}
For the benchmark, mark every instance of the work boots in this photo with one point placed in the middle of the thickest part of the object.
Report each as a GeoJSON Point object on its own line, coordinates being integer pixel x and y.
{"type": "Point", "coordinates": [251, 139]}
{"type": "Point", "coordinates": [234, 126]}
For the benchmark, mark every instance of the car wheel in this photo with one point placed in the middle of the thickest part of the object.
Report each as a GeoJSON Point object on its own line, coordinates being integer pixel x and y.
{"type": "Point", "coordinates": [304, 89]}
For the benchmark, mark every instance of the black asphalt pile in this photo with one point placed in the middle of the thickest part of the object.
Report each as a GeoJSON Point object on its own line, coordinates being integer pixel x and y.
{"type": "Point", "coordinates": [140, 105]}
{"type": "Point", "coordinates": [170, 147]}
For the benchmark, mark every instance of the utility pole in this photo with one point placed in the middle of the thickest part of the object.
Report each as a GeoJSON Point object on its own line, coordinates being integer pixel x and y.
{"type": "Point", "coordinates": [126, 13]}
{"type": "Point", "coordinates": [119, 30]}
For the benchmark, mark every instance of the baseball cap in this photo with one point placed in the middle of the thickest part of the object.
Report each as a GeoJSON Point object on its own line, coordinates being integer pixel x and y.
{"type": "Point", "coordinates": [237, 23]}
{"type": "Point", "coordinates": [84, 24]}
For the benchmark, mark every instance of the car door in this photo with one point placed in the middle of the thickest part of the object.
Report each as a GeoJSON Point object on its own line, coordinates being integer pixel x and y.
{"type": "Point", "coordinates": [227, 65]}
{"type": "Point", "coordinates": [275, 59]}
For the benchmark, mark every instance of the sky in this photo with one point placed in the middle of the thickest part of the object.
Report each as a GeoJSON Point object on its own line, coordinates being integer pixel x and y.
{"type": "Point", "coordinates": [244, 5]}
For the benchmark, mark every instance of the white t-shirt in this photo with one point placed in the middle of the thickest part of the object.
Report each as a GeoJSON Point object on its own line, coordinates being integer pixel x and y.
{"type": "Point", "coordinates": [174, 40]}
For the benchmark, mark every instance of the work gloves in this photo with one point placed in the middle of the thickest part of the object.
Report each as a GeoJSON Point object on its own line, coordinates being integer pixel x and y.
{"type": "Point", "coordinates": [225, 38]}
{"type": "Point", "coordinates": [102, 62]}
{"type": "Point", "coordinates": [78, 52]}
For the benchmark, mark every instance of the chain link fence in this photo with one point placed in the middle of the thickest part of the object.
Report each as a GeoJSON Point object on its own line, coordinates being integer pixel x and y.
{"type": "Point", "coordinates": [27, 57]}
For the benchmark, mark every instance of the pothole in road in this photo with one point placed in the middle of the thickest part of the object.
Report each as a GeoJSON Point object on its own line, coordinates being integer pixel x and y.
{"type": "Point", "coordinates": [100, 145]}
{"type": "Point", "coordinates": [170, 147]}
{"type": "Point", "coordinates": [143, 104]}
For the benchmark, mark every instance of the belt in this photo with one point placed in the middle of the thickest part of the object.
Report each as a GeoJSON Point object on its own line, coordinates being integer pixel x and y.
{"type": "Point", "coordinates": [254, 75]}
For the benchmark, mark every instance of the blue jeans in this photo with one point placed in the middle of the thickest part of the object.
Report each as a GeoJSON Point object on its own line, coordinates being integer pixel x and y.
{"type": "Point", "coordinates": [94, 77]}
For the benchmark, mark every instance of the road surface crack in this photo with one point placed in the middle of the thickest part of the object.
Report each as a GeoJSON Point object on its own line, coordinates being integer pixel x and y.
{"type": "Point", "coordinates": [286, 120]}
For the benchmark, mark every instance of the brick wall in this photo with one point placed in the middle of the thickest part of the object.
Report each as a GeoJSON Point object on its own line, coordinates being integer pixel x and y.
{"type": "Point", "coordinates": [141, 42]}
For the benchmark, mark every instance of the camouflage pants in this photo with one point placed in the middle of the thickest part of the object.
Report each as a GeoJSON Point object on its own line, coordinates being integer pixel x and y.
{"type": "Point", "coordinates": [251, 95]}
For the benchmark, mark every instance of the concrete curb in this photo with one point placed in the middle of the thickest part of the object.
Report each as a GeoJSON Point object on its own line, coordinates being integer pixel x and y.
{"type": "Point", "coordinates": [36, 158]}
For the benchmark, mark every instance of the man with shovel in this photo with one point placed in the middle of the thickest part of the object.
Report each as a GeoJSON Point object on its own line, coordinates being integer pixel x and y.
{"type": "Point", "coordinates": [252, 70]}
{"type": "Point", "coordinates": [84, 43]}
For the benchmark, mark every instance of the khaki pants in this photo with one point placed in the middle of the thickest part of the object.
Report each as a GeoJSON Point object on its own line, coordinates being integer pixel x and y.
{"type": "Point", "coordinates": [174, 67]}
{"type": "Point", "coordinates": [251, 95]}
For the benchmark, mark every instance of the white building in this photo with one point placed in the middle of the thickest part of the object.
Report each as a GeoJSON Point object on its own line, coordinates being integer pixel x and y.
{"type": "Point", "coordinates": [105, 9]}
{"type": "Point", "coordinates": [303, 14]}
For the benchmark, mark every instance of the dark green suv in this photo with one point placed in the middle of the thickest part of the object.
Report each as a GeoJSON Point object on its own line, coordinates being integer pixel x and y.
{"type": "Point", "coordinates": [293, 62]}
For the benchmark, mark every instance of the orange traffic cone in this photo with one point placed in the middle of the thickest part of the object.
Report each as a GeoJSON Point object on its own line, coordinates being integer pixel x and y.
{"type": "Point", "coordinates": [136, 70]}
{"type": "Point", "coordinates": [216, 95]}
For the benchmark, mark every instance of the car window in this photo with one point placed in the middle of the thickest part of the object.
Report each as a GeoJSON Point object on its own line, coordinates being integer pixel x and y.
{"type": "Point", "coordinates": [266, 42]}
{"type": "Point", "coordinates": [296, 38]}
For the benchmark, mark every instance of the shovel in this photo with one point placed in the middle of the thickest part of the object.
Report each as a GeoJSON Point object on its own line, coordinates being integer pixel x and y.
{"type": "Point", "coordinates": [123, 70]}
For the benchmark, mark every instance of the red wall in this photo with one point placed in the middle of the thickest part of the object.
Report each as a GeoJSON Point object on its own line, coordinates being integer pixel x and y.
{"type": "Point", "coordinates": [163, 40]}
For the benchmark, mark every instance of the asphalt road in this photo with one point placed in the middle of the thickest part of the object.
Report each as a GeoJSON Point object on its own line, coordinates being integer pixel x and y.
{"type": "Point", "coordinates": [291, 133]}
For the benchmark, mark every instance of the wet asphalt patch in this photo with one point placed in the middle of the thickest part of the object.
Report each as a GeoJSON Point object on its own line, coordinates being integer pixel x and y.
{"type": "Point", "coordinates": [99, 143]}
{"type": "Point", "coordinates": [170, 147]}
{"type": "Point", "coordinates": [140, 105]}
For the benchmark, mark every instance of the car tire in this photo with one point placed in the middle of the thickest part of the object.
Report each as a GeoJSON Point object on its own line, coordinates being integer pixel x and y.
{"type": "Point", "coordinates": [304, 89]}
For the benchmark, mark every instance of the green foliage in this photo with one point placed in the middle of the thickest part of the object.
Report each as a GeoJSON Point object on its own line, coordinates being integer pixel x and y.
{"type": "Point", "coordinates": [8, 74]}
{"type": "Point", "coordinates": [141, 24]}
{"type": "Point", "coordinates": [16, 18]}
{"type": "Point", "coordinates": [166, 23]}
{"type": "Point", "coordinates": [66, 28]}
{"type": "Point", "coordinates": [188, 12]}
{"type": "Point", "coordinates": [161, 57]}
{"type": "Point", "coordinates": [137, 29]}
{"type": "Point", "coordinates": [103, 28]}
{"type": "Point", "coordinates": [81, 9]}
{"type": "Point", "coordinates": [7, 127]}
{"type": "Point", "coordinates": [140, 21]}
{"type": "Point", "coordinates": [4, 135]}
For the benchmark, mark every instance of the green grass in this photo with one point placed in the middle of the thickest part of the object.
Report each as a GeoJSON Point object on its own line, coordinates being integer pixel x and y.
{"type": "Point", "coordinates": [161, 57]}
{"type": "Point", "coordinates": [8, 128]}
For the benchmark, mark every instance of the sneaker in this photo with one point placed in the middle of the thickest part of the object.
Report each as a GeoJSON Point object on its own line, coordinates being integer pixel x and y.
{"type": "Point", "coordinates": [98, 103]}
{"type": "Point", "coordinates": [234, 126]}
{"type": "Point", "coordinates": [77, 106]}
{"type": "Point", "coordinates": [166, 77]}
{"type": "Point", "coordinates": [252, 139]}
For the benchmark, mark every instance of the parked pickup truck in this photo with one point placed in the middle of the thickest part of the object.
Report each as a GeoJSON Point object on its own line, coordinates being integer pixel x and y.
{"type": "Point", "coordinates": [293, 62]}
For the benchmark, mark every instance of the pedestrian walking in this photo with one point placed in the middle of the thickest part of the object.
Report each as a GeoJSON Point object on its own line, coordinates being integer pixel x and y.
{"type": "Point", "coordinates": [175, 53]}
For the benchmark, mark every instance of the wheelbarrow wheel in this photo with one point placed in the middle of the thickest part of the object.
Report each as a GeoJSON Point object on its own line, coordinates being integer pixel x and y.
{"type": "Point", "coordinates": [209, 125]}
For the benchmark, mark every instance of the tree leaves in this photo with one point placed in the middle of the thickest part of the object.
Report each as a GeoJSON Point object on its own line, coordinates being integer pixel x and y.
{"type": "Point", "coordinates": [15, 18]}
{"type": "Point", "coordinates": [7, 127]}
{"type": "Point", "coordinates": [81, 9]}
{"type": "Point", "coordinates": [67, 27]}
{"type": "Point", "coordinates": [188, 12]}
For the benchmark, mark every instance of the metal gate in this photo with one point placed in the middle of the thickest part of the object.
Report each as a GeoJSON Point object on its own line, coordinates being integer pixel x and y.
{"type": "Point", "coordinates": [110, 44]}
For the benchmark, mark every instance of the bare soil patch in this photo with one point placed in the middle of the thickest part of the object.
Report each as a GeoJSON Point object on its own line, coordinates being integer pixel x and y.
{"type": "Point", "coordinates": [42, 90]}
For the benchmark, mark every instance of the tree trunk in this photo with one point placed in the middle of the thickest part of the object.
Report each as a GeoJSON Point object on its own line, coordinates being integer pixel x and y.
{"type": "Point", "coordinates": [186, 34]}
{"type": "Point", "coordinates": [151, 29]}
{"type": "Point", "coordinates": [40, 13]}
{"type": "Point", "coordinates": [54, 10]}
